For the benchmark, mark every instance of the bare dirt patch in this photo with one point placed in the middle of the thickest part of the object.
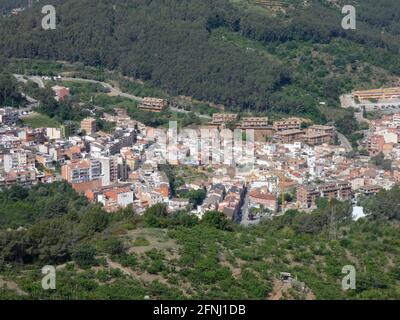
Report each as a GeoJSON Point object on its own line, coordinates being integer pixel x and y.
{"type": "Point", "coordinates": [11, 285]}
{"type": "Point", "coordinates": [156, 239]}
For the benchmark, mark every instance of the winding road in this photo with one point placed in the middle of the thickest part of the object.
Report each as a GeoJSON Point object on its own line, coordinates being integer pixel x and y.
{"type": "Point", "coordinates": [345, 142]}
{"type": "Point", "coordinates": [112, 90]}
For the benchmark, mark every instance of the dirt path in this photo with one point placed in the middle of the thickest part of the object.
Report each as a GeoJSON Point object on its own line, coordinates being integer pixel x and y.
{"type": "Point", "coordinates": [281, 289]}
{"type": "Point", "coordinates": [11, 285]}
{"type": "Point", "coordinates": [145, 276]}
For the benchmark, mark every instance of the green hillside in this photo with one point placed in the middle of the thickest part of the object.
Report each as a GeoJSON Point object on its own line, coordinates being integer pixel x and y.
{"type": "Point", "coordinates": [238, 53]}
{"type": "Point", "coordinates": [126, 256]}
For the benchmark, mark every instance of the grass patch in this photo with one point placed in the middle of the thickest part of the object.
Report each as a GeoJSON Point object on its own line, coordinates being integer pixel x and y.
{"type": "Point", "coordinates": [37, 120]}
{"type": "Point", "coordinates": [141, 242]}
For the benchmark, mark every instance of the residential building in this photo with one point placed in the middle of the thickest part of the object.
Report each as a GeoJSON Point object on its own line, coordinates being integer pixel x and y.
{"type": "Point", "coordinates": [289, 136]}
{"type": "Point", "coordinates": [382, 94]}
{"type": "Point", "coordinates": [224, 118]}
{"type": "Point", "coordinates": [254, 123]}
{"type": "Point", "coordinates": [61, 92]}
{"type": "Point", "coordinates": [89, 126]}
{"type": "Point", "coordinates": [109, 170]}
{"type": "Point", "coordinates": [287, 124]}
{"type": "Point", "coordinates": [261, 197]}
{"type": "Point", "coordinates": [19, 159]}
{"type": "Point", "coordinates": [9, 116]}
{"type": "Point", "coordinates": [153, 104]}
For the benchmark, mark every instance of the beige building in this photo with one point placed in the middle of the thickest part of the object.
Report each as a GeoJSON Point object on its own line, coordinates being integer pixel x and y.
{"type": "Point", "coordinates": [254, 123]}
{"type": "Point", "coordinates": [89, 125]}
{"type": "Point", "coordinates": [287, 124]}
{"type": "Point", "coordinates": [223, 118]}
{"type": "Point", "coordinates": [289, 136]}
{"type": "Point", "coordinates": [366, 96]}
{"type": "Point", "coordinates": [153, 104]}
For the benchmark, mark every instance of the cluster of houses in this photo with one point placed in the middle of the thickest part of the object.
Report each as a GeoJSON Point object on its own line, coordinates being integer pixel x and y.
{"type": "Point", "coordinates": [123, 168]}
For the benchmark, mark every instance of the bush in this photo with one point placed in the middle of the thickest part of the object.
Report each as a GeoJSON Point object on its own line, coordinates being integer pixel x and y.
{"type": "Point", "coordinates": [217, 220]}
{"type": "Point", "coordinates": [96, 220]}
{"type": "Point", "coordinates": [114, 247]}
{"type": "Point", "coordinates": [84, 256]}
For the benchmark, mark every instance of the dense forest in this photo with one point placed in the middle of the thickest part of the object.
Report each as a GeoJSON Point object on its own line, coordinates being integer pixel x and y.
{"type": "Point", "coordinates": [234, 53]}
{"type": "Point", "coordinates": [177, 256]}
{"type": "Point", "coordinates": [9, 93]}
{"type": "Point", "coordinates": [7, 5]}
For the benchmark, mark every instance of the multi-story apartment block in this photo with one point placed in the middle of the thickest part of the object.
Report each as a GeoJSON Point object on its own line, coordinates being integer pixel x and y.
{"type": "Point", "coordinates": [396, 118]}
{"type": "Point", "coordinates": [224, 118]}
{"type": "Point", "coordinates": [322, 129]}
{"type": "Point", "coordinates": [318, 138]}
{"type": "Point", "coordinates": [289, 136]}
{"type": "Point", "coordinates": [54, 133]}
{"type": "Point", "coordinates": [19, 159]}
{"type": "Point", "coordinates": [81, 171]}
{"type": "Point", "coordinates": [8, 116]}
{"type": "Point", "coordinates": [287, 124]}
{"type": "Point", "coordinates": [307, 195]}
{"type": "Point", "coordinates": [153, 104]}
{"type": "Point", "coordinates": [44, 159]}
{"type": "Point", "coordinates": [89, 126]}
{"type": "Point", "coordinates": [109, 170]}
{"type": "Point", "coordinates": [366, 96]}
{"type": "Point", "coordinates": [9, 142]}
{"type": "Point", "coordinates": [23, 177]}
{"type": "Point", "coordinates": [375, 144]}
{"type": "Point", "coordinates": [336, 190]}
{"type": "Point", "coordinates": [254, 123]}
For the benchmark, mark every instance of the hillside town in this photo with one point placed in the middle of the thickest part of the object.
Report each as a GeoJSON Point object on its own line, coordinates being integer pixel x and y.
{"type": "Point", "coordinates": [289, 163]}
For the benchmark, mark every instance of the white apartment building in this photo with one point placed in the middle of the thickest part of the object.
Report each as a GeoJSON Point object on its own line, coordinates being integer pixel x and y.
{"type": "Point", "coordinates": [18, 159]}
{"type": "Point", "coordinates": [109, 170]}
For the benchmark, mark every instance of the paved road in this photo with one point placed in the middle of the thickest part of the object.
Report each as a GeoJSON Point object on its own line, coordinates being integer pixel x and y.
{"type": "Point", "coordinates": [245, 213]}
{"type": "Point", "coordinates": [24, 79]}
{"type": "Point", "coordinates": [33, 103]}
{"type": "Point", "coordinates": [345, 142]}
{"type": "Point", "coordinates": [38, 81]}
{"type": "Point", "coordinates": [360, 117]}
{"type": "Point", "coordinates": [186, 112]}
{"type": "Point", "coordinates": [113, 91]}
{"type": "Point", "coordinates": [110, 88]}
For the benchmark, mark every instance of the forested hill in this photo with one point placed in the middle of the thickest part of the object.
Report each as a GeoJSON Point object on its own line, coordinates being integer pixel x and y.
{"type": "Point", "coordinates": [7, 5]}
{"type": "Point", "coordinates": [232, 52]}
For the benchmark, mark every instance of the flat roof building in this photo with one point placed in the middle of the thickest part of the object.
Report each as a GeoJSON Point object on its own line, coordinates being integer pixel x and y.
{"type": "Point", "coordinates": [89, 125]}
{"type": "Point", "coordinates": [287, 124]}
{"type": "Point", "coordinates": [364, 96]}
{"type": "Point", "coordinates": [254, 123]}
{"type": "Point", "coordinates": [223, 118]}
{"type": "Point", "coordinates": [153, 104]}
{"type": "Point", "coordinates": [289, 136]}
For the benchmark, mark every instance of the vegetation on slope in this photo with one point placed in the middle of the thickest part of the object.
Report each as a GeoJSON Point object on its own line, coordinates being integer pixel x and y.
{"type": "Point", "coordinates": [124, 256]}
{"type": "Point", "coordinates": [173, 46]}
